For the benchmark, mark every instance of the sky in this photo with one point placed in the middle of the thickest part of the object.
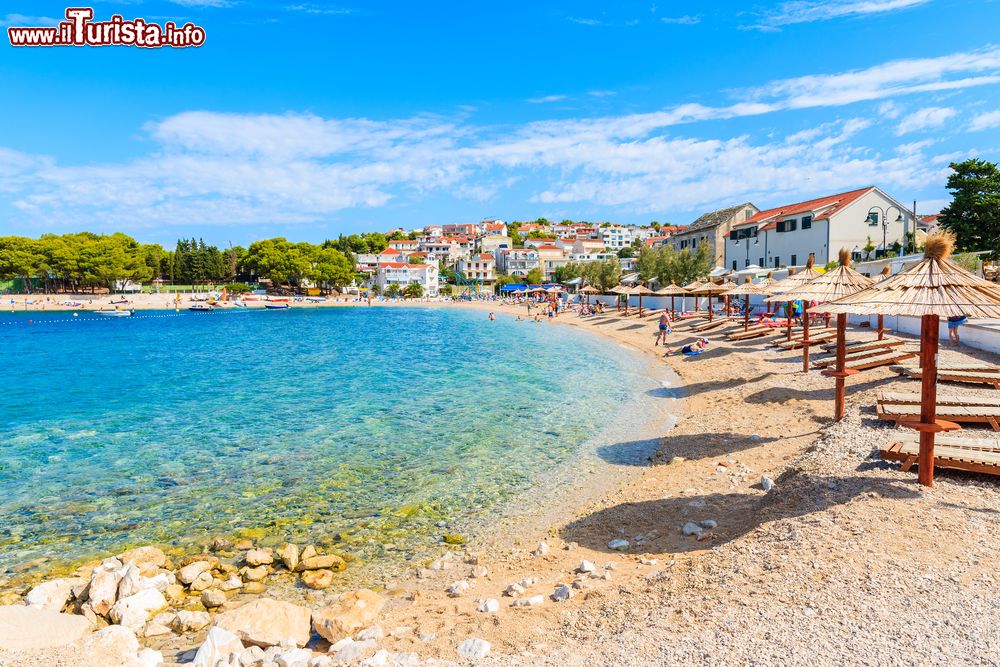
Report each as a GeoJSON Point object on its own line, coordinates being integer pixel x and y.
{"type": "Point", "coordinates": [308, 119]}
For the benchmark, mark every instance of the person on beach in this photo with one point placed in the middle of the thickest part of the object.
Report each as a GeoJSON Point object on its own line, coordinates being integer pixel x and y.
{"type": "Point", "coordinates": [491, 316]}
{"type": "Point", "coordinates": [664, 329]}
{"type": "Point", "coordinates": [954, 322]}
{"type": "Point", "coordinates": [692, 348]}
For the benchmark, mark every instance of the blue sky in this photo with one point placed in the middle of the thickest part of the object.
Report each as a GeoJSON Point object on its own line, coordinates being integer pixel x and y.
{"type": "Point", "coordinates": [311, 119]}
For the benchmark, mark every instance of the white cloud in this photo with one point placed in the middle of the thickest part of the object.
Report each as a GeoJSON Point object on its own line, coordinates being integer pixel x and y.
{"type": "Point", "coordinates": [985, 121]}
{"type": "Point", "coordinates": [20, 20]}
{"type": "Point", "coordinates": [925, 119]}
{"type": "Point", "coordinates": [889, 110]}
{"type": "Point", "coordinates": [546, 99]}
{"type": "Point", "coordinates": [601, 93]}
{"type": "Point", "coordinates": [803, 11]}
{"type": "Point", "coordinates": [681, 20]}
{"type": "Point", "coordinates": [317, 9]}
{"type": "Point", "coordinates": [203, 3]}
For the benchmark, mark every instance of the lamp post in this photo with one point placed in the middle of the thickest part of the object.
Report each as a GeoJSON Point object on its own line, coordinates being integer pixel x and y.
{"type": "Point", "coordinates": [756, 242]}
{"type": "Point", "coordinates": [885, 221]}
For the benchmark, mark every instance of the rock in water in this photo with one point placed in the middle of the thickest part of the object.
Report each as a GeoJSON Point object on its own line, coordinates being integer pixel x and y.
{"type": "Point", "coordinates": [218, 645]}
{"type": "Point", "coordinates": [328, 562]}
{"type": "Point", "coordinates": [266, 622]}
{"type": "Point", "coordinates": [32, 628]}
{"type": "Point", "coordinates": [213, 598]}
{"type": "Point", "coordinates": [474, 648]}
{"type": "Point", "coordinates": [133, 611]}
{"type": "Point", "coordinates": [53, 595]}
{"type": "Point", "coordinates": [353, 611]}
{"type": "Point", "coordinates": [257, 557]}
{"type": "Point", "coordinates": [318, 579]}
{"type": "Point", "coordinates": [618, 545]}
{"type": "Point", "coordinates": [289, 555]}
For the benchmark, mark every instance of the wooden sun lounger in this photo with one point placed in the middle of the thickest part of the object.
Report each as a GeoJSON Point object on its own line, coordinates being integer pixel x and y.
{"type": "Point", "coordinates": [962, 414]}
{"type": "Point", "coordinates": [820, 335]}
{"type": "Point", "coordinates": [958, 441]}
{"type": "Point", "coordinates": [857, 356]}
{"type": "Point", "coordinates": [885, 359]}
{"type": "Point", "coordinates": [759, 332]}
{"type": "Point", "coordinates": [913, 398]}
{"type": "Point", "coordinates": [713, 325]}
{"type": "Point", "coordinates": [945, 456]}
{"type": "Point", "coordinates": [979, 367]}
{"type": "Point", "coordinates": [968, 377]}
{"type": "Point", "coordinates": [690, 316]}
{"type": "Point", "coordinates": [860, 345]}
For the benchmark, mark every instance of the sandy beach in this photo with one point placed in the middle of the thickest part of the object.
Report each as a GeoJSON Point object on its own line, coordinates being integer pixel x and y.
{"type": "Point", "coordinates": [845, 560]}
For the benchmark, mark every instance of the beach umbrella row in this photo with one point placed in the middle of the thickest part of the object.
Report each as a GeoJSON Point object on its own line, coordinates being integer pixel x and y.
{"type": "Point", "coordinates": [789, 284]}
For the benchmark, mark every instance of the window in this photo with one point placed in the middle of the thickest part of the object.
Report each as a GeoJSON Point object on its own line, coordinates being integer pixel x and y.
{"type": "Point", "coordinates": [873, 218]}
{"type": "Point", "coordinates": [776, 260]}
{"type": "Point", "coordinates": [781, 226]}
{"type": "Point", "coordinates": [807, 222]}
{"type": "Point", "coordinates": [790, 225]}
{"type": "Point", "coordinates": [734, 235]}
{"type": "Point", "coordinates": [747, 214]}
{"type": "Point", "coordinates": [760, 262]}
{"type": "Point", "coordinates": [734, 265]}
{"type": "Point", "coordinates": [694, 243]}
{"type": "Point", "coordinates": [794, 257]}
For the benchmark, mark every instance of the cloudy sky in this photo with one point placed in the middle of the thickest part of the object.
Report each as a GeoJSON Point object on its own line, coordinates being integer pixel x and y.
{"type": "Point", "coordinates": [311, 119]}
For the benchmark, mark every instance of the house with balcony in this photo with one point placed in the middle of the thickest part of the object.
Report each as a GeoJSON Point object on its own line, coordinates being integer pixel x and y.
{"type": "Point", "coordinates": [517, 261]}
{"type": "Point", "coordinates": [616, 237]}
{"type": "Point", "coordinates": [788, 235]}
{"type": "Point", "coordinates": [479, 268]}
{"type": "Point", "coordinates": [712, 228]}
{"type": "Point", "coordinates": [403, 274]}
{"type": "Point", "coordinates": [405, 245]}
{"type": "Point", "coordinates": [551, 257]}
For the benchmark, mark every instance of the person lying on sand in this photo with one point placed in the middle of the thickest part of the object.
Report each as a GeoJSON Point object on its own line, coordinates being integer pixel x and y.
{"type": "Point", "coordinates": [689, 350]}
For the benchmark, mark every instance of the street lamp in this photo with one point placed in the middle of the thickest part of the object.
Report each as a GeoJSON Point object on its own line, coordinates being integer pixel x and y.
{"type": "Point", "coordinates": [756, 242]}
{"type": "Point", "coordinates": [885, 220]}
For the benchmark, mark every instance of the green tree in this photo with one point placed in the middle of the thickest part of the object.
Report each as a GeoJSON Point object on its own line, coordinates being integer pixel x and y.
{"type": "Point", "coordinates": [413, 291]}
{"type": "Point", "coordinates": [626, 252]}
{"type": "Point", "coordinates": [392, 290]}
{"type": "Point", "coordinates": [277, 260]}
{"type": "Point", "coordinates": [330, 268]}
{"type": "Point", "coordinates": [19, 258]}
{"type": "Point", "coordinates": [974, 212]}
{"type": "Point", "coordinates": [648, 264]}
{"type": "Point", "coordinates": [516, 241]}
{"type": "Point", "coordinates": [534, 276]}
{"type": "Point", "coordinates": [567, 272]}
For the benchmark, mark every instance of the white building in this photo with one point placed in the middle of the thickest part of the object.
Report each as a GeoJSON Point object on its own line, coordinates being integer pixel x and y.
{"type": "Point", "coordinates": [402, 274]}
{"type": "Point", "coordinates": [517, 261]}
{"type": "Point", "coordinates": [481, 268]}
{"type": "Point", "coordinates": [616, 237]}
{"type": "Point", "coordinates": [788, 235]}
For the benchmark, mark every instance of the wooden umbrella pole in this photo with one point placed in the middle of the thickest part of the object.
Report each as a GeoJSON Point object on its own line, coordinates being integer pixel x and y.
{"type": "Point", "coordinates": [640, 305]}
{"type": "Point", "coordinates": [929, 325]}
{"type": "Point", "coordinates": [673, 312]}
{"type": "Point", "coordinates": [841, 388]}
{"type": "Point", "coordinates": [709, 306]}
{"type": "Point", "coordinates": [805, 337]}
{"type": "Point", "coordinates": [746, 314]}
{"type": "Point", "coordinates": [788, 318]}
{"type": "Point", "coordinates": [881, 328]}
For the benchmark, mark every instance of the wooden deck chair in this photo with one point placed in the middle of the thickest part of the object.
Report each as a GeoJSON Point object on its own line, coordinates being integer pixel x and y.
{"type": "Point", "coordinates": [861, 345]}
{"type": "Point", "coordinates": [714, 325]}
{"type": "Point", "coordinates": [913, 398]}
{"type": "Point", "coordinates": [751, 333]}
{"type": "Point", "coordinates": [885, 359]}
{"type": "Point", "coordinates": [960, 414]}
{"type": "Point", "coordinates": [945, 456]}
{"type": "Point", "coordinates": [855, 356]}
{"type": "Point", "coordinates": [967, 377]}
{"type": "Point", "coordinates": [820, 335]}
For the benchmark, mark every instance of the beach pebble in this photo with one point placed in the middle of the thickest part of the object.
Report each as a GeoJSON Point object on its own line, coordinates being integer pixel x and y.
{"type": "Point", "coordinates": [541, 550]}
{"type": "Point", "coordinates": [191, 621]}
{"type": "Point", "coordinates": [458, 589]}
{"type": "Point", "coordinates": [203, 581]}
{"type": "Point", "coordinates": [618, 544]}
{"type": "Point", "coordinates": [691, 528]}
{"type": "Point", "coordinates": [528, 582]}
{"type": "Point", "coordinates": [474, 648]}
{"type": "Point", "coordinates": [187, 574]}
{"type": "Point", "coordinates": [648, 561]}
{"type": "Point", "coordinates": [766, 483]}
{"type": "Point", "coordinates": [709, 524]}
{"type": "Point", "coordinates": [296, 657]}
{"type": "Point", "coordinates": [289, 555]}
{"type": "Point", "coordinates": [606, 575]}
{"type": "Point", "coordinates": [309, 551]}
{"type": "Point", "coordinates": [254, 573]}
{"type": "Point", "coordinates": [489, 606]}
{"type": "Point", "coordinates": [254, 587]}
{"type": "Point", "coordinates": [585, 567]}
{"type": "Point", "coordinates": [231, 584]}
{"type": "Point", "coordinates": [532, 601]}
{"type": "Point", "coordinates": [256, 557]}
{"type": "Point", "coordinates": [317, 579]}
{"type": "Point", "coordinates": [320, 661]}
{"type": "Point", "coordinates": [347, 650]}
{"type": "Point", "coordinates": [374, 633]}
{"type": "Point", "coordinates": [480, 572]}
{"type": "Point", "coordinates": [213, 598]}
{"type": "Point", "coordinates": [328, 562]}
{"type": "Point", "coordinates": [514, 590]}
{"type": "Point", "coordinates": [562, 593]}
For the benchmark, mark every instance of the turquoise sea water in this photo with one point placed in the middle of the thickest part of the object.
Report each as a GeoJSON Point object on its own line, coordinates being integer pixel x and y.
{"type": "Point", "coordinates": [370, 430]}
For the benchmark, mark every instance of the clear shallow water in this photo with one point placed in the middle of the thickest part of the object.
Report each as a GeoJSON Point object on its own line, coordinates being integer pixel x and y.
{"type": "Point", "coordinates": [372, 430]}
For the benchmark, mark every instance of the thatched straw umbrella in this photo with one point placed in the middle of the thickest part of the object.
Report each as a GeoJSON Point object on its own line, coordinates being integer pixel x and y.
{"type": "Point", "coordinates": [639, 290]}
{"type": "Point", "coordinates": [588, 290]}
{"type": "Point", "coordinates": [787, 285]}
{"type": "Point", "coordinates": [746, 289]}
{"type": "Point", "coordinates": [619, 290]}
{"type": "Point", "coordinates": [709, 288]}
{"type": "Point", "coordinates": [832, 285]}
{"type": "Point", "coordinates": [765, 288]}
{"type": "Point", "coordinates": [672, 290]}
{"type": "Point", "coordinates": [727, 285]}
{"type": "Point", "coordinates": [692, 288]}
{"type": "Point", "coordinates": [934, 288]}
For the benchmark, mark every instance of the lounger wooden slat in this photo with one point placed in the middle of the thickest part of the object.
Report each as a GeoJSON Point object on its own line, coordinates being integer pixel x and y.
{"type": "Point", "coordinates": [976, 414]}
{"type": "Point", "coordinates": [854, 356]}
{"type": "Point", "coordinates": [945, 456]}
{"type": "Point", "coordinates": [885, 359]}
{"type": "Point", "coordinates": [913, 398]}
{"type": "Point", "coordinates": [762, 332]}
{"type": "Point", "coordinates": [862, 345]}
{"type": "Point", "coordinates": [979, 367]}
{"type": "Point", "coordinates": [821, 335]}
{"type": "Point", "coordinates": [712, 326]}
{"type": "Point", "coordinates": [959, 441]}
{"type": "Point", "coordinates": [968, 377]}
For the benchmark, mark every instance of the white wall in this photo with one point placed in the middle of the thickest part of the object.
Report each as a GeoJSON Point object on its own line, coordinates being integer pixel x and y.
{"type": "Point", "coordinates": [983, 336]}
{"type": "Point", "coordinates": [850, 229]}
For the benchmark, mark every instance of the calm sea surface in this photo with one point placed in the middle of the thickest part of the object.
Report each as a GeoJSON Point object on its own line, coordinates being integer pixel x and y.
{"type": "Point", "coordinates": [374, 430]}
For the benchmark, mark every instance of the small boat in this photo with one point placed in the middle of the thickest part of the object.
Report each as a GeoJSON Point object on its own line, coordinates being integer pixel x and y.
{"type": "Point", "coordinates": [315, 299]}
{"type": "Point", "coordinates": [115, 313]}
{"type": "Point", "coordinates": [201, 308]}
{"type": "Point", "coordinates": [276, 306]}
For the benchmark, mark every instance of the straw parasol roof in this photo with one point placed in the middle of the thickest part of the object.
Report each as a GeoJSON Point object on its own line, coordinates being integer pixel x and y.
{"type": "Point", "coordinates": [673, 289]}
{"type": "Point", "coordinates": [829, 286]}
{"type": "Point", "coordinates": [795, 279]}
{"type": "Point", "coordinates": [710, 288]}
{"type": "Point", "coordinates": [639, 290]}
{"type": "Point", "coordinates": [935, 286]}
{"type": "Point", "coordinates": [747, 287]}
{"type": "Point", "coordinates": [691, 287]}
{"type": "Point", "coordinates": [589, 289]}
{"type": "Point", "coordinates": [618, 289]}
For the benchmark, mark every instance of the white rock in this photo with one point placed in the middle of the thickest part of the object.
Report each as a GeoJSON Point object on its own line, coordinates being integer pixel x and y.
{"type": "Point", "coordinates": [474, 648]}
{"type": "Point", "coordinates": [202, 581]}
{"type": "Point", "coordinates": [33, 628]}
{"type": "Point", "coordinates": [562, 593]}
{"type": "Point", "coordinates": [114, 641]}
{"type": "Point", "coordinates": [321, 661]}
{"type": "Point", "coordinates": [709, 524]}
{"type": "Point", "coordinates": [187, 574]}
{"type": "Point", "coordinates": [489, 606]}
{"type": "Point", "coordinates": [374, 633]}
{"type": "Point", "coordinates": [458, 589]}
{"type": "Point", "coordinates": [296, 657]}
{"type": "Point", "coordinates": [347, 650]}
{"type": "Point", "coordinates": [191, 621]}
{"type": "Point", "coordinates": [131, 582]}
{"type": "Point", "coordinates": [103, 589]}
{"type": "Point", "coordinates": [160, 582]}
{"type": "Point", "coordinates": [218, 645]}
{"type": "Point", "coordinates": [52, 595]}
{"type": "Point", "coordinates": [257, 557]}
{"type": "Point", "coordinates": [585, 567]}
{"type": "Point", "coordinates": [231, 584]}
{"type": "Point", "coordinates": [618, 545]}
{"type": "Point", "coordinates": [135, 610]}
{"type": "Point", "coordinates": [648, 561]}
{"type": "Point", "coordinates": [528, 582]}
{"type": "Point", "coordinates": [542, 549]}
{"type": "Point", "coordinates": [147, 657]}
{"type": "Point", "coordinates": [380, 658]}
{"type": "Point", "coordinates": [533, 601]}
{"type": "Point", "coordinates": [480, 572]}
{"type": "Point", "coordinates": [766, 483]}
{"type": "Point", "coordinates": [155, 630]}
{"type": "Point", "coordinates": [691, 528]}
{"type": "Point", "coordinates": [514, 590]}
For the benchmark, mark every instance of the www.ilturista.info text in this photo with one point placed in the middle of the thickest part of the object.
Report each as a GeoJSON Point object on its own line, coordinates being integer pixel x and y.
{"type": "Point", "coordinates": [79, 29]}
